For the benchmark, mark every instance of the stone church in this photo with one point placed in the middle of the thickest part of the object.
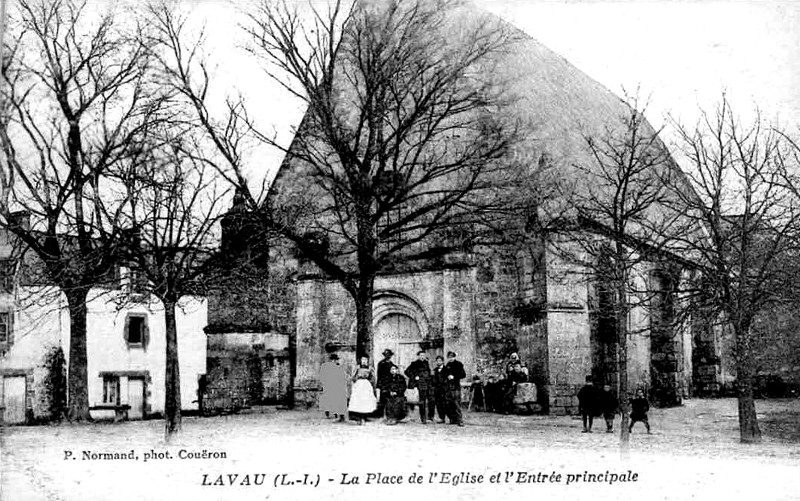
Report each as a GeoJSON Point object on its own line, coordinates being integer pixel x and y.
{"type": "Point", "coordinates": [485, 303]}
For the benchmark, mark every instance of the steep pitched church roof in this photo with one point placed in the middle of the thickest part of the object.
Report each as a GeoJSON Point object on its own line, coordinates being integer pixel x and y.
{"type": "Point", "coordinates": [558, 103]}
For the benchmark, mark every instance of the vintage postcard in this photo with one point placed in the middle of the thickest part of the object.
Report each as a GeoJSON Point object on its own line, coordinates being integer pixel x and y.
{"type": "Point", "coordinates": [406, 249]}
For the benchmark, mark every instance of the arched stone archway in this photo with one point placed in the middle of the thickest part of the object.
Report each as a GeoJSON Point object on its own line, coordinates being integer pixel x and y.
{"type": "Point", "coordinates": [399, 324]}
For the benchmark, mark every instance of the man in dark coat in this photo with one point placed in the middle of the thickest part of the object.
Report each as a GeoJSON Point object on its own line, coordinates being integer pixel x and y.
{"type": "Point", "coordinates": [439, 387]}
{"type": "Point", "coordinates": [588, 404]}
{"type": "Point", "coordinates": [384, 372]}
{"type": "Point", "coordinates": [419, 376]}
{"type": "Point", "coordinates": [454, 373]}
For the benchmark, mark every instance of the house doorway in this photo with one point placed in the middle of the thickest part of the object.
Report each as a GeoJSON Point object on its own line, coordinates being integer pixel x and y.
{"type": "Point", "coordinates": [14, 399]}
{"type": "Point", "coordinates": [136, 398]}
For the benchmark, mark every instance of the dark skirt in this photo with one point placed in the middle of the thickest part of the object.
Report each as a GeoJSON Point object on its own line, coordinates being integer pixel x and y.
{"type": "Point", "coordinates": [396, 407]}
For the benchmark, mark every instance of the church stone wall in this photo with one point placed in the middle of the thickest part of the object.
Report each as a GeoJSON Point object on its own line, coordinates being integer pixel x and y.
{"type": "Point", "coordinates": [663, 369]}
{"type": "Point", "coordinates": [568, 327]}
{"type": "Point", "coordinates": [484, 307]}
{"type": "Point", "coordinates": [326, 317]}
{"type": "Point", "coordinates": [639, 329]}
{"type": "Point", "coordinates": [496, 285]}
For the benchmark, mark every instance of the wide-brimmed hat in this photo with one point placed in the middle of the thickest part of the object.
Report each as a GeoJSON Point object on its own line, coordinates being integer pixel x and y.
{"type": "Point", "coordinates": [387, 352]}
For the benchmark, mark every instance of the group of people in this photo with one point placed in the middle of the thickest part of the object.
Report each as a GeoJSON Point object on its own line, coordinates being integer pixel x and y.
{"type": "Point", "coordinates": [501, 394]}
{"type": "Point", "coordinates": [592, 402]}
{"type": "Point", "coordinates": [436, 390]}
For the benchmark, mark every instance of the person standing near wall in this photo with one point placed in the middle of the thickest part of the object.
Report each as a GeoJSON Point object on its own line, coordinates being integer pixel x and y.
{"type": "Point", "coordinates": [384, 373]}
{"type": "Point", "coordinates": [610, 406]}
{"type": "Point", "coordinates": [419, 376]}
{"type": "Point", "coordinates": [333, 399]}
{"type": "Point", "coordinates": [362, 399]}
{"type": "Point", "coordinates": [588, 404]}
{"type": "Point", "coordinates": [439, 386]}
{"type": "Point", "coordinates": [396, 406]}
{"type": "Point", "coordinates": [454, 373]}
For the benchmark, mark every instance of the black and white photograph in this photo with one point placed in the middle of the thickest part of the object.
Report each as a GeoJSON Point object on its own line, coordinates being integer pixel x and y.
{"type": "Point", "coordinates": [399, 249]}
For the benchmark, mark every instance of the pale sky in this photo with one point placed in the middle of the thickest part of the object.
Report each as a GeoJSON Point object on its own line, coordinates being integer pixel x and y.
{"type": "Point", "coordinates": [681, 55]}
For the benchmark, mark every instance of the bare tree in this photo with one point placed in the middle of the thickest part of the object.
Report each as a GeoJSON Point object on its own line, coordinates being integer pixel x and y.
{"type": "Point", "coordinates": [76, 103]}
{"type": "Point", "coordinates": [403, 144]}
{"type": "Point", "coordinates": [622, 212]}
{"type": "Point", "coordinates": [173, 206]}
{"type": "Point", "coordinates": [748, 206]}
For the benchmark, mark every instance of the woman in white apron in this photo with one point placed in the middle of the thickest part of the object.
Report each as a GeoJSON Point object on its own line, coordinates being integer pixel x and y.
{"type": "Point", "coordinates": [362, 396]}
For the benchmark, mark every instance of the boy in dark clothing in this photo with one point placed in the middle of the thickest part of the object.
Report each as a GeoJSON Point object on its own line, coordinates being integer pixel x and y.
{"type": "Point", "coordinates": [439, 387]}
{"type": "Point", "coordinates": [588, 404]}
{"type": "Point", "coordinates": [609, 407]}
{"type": "Point", "coordinates": [639, 408]}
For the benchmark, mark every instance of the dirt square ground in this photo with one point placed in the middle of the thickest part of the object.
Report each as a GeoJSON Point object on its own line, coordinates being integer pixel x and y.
{"type": "Point", "coordinates": [693, 453]}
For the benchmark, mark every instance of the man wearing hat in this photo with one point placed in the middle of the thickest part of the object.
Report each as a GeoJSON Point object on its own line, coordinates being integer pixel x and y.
{"type": "Point", "coordinates": [419, 376]}
{"type": "Point", "coordinates": [384, 377]}
{"type": "Point", "coordinates": [454, 373]}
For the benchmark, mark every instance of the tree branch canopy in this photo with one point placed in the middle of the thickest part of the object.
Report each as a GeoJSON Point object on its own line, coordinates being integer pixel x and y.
{"type": "Point", "coordinates": [401, 140]}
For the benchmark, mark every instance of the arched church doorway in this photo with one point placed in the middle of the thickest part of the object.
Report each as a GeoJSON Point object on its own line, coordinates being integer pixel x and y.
{"type": "Point", "coordinates": [400, 325]}
{"type": "Point", "coordinates": [399, 333]}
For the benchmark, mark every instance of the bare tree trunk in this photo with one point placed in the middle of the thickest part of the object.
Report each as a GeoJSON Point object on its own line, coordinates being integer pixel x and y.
{"type": "Point", "coordinates": [364, 317]}
{"type": "Point", "coordinates": [172, 405]}
{"type": "Point", "coordinates": [622, 367]}
{"type": "Point", "coordinates": [749, 432]}
{"type": "Point", "coordinates": [290, 403]}
{"type": "Point", "coordinates": [367, 245]}
{"type": "Point", "coordinates": [78, 391]}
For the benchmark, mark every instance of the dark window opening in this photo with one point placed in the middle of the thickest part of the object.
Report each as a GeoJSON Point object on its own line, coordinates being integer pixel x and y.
{"type": "Point", "coordinates": [5, 327]}
{"type": "Point", "coordinates": [136, 330]}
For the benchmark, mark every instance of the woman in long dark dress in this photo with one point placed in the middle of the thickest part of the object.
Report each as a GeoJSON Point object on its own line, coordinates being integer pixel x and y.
{"type": "Point", "coordinates": [396, 406]}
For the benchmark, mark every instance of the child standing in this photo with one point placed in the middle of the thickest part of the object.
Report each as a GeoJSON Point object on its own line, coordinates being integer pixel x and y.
{"type": "Point", "coordinates": [610, 406]}
{"type": "Point", "coordinates": [639, 408]}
